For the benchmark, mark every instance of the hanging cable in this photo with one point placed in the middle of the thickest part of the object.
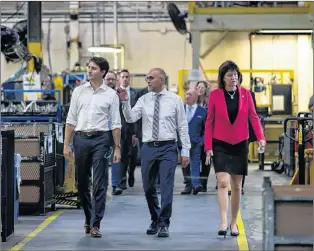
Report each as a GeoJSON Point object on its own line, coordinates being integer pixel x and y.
{"type": "Point", "coordinates": [17, 11]}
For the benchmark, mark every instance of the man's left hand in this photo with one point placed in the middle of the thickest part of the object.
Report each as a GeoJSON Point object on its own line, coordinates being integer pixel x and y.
{"type": "Point", "coordinates": [116, 155]}
{"type": "Point", "coordinates": [185, 161]}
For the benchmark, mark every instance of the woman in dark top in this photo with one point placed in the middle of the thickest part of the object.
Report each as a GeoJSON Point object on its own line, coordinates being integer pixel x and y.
{"type": "Point", "coordinates": [252, 137]}
{"type": "Point", "coordinates": [203, 89]}
{"type": "Point", "coordinates": [230, 107]}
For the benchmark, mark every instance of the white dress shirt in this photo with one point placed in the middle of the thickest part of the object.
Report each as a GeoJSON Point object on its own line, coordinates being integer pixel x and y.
{"type": "Point", "coordinates": [172, 118]}
{"type": "Point", "coordinates": [91, 110]}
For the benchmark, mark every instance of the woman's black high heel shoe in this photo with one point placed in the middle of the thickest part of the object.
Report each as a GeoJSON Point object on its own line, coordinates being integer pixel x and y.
{"type": "Point", "coordinates": [223, 232]}
{"type": "Point", "coordinates": [234, 233]}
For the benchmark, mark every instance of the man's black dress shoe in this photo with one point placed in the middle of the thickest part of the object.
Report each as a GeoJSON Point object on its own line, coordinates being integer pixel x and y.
{"type": "Point", "coordinates": [197, 189]}
{"type": "Point", "coordinates": [187, 190]}
{"type": "Point", "coordinates": [163, 232]}
{"type": "Point", "coordinates": [204, 188]}
{"type": "Point", "coordinates": [153, 228]}
{"type": "Point", "coordinates": [87, 228]}
{"type": "Point", "coordinates": [131, 180]}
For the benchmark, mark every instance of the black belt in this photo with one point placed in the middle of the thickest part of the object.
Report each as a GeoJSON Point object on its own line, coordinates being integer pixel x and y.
{"type": "Point", "coordinates": [160, 143]}
{"type": "Point", "coordinates": [89, 134]}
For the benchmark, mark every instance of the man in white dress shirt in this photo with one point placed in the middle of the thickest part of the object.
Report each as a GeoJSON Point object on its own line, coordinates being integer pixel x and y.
{"type": "Point", "coordinates": [92, 106]}
{"type": "Point", "coordinates": [163, 117]}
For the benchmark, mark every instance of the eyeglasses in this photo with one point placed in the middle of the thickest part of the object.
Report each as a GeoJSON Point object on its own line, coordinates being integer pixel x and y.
{"type": "Point", "coordinates": [151, 78]}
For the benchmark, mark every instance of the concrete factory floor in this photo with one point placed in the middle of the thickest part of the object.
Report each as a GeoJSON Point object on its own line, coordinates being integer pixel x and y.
{"type": "Point", "coordinates": [194, 223]}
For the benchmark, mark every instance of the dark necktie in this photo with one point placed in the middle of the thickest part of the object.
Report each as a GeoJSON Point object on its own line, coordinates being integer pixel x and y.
{"type": "Point", "coordinates": [156, 118]}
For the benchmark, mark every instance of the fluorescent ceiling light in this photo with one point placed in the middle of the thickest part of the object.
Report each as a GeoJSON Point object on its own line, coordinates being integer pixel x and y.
{"type": "Point", "coordinates": [286, 31]}
{"type": "Point", "coordinates": [104, 49]}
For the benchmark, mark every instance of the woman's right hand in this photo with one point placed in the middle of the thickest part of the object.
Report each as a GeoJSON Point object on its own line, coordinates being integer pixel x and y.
{"type": "Point", "coordinates": [209, 154]}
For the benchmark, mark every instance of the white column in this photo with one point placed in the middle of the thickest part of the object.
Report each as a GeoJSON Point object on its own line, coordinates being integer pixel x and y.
{"type": "Point", "coordinates": [303, 72]}
{"type": "Point", "coordinates": [116, 33]}
{"type": "Point", "coordinates": [74, 50]}
{"type": "Point", "coordinates": [195, 74]}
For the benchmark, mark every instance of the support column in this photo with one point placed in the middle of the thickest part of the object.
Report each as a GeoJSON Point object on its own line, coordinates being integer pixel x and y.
{"type": "Point", "coordinates": [303, 71]}
{"type": "Point", "coordinates": [74, 43]}
{"type": "Point", "coordinates": [195, 74]}
{"type": "Point", "coordinates": [195, 49]}
{"type": "Point", "coordinates": [34, 32]}
{"type": "Point", "coordinates": [116, 34]}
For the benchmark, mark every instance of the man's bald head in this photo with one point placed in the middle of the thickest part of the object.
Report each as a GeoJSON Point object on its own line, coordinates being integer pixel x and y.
{"type": "Point", "coordinates": [191, 96]}
{"type": "Point", "coordinates": [156, 79]}
{"type": "Point", "coordinates": [161, 72]}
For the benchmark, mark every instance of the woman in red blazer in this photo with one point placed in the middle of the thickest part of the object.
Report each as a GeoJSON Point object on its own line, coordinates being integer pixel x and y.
{"type": "Point", "coordinates": [230, 107]}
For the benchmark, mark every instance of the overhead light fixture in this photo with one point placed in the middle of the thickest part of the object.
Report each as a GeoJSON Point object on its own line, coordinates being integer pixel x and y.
{"type": "Point", "coordinates": [104, 49]}
{"type": "Point", "coordinates": [285, 31]}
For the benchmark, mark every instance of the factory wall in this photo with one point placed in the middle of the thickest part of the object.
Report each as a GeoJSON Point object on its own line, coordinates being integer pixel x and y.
{"type": "Point", "coordinates": [150, 46]}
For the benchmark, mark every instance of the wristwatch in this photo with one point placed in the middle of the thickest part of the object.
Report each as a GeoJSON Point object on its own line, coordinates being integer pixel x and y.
{"type": "Point", "coordinates": [116, 146]}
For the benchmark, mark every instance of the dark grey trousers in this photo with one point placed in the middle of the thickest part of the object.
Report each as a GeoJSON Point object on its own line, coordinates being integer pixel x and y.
{"type": "Point", "coordinates": [91, 152]}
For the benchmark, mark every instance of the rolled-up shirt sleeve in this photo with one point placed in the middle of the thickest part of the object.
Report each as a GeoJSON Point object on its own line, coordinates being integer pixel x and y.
{"type": "Point", "coordinates": [134, 114]}
{"type": "Point", "coordinates": [183, 129]}
{"type": "Point", "coordinates": [73, 109]}
{"type": "Point", "coordinates": [115, 113]}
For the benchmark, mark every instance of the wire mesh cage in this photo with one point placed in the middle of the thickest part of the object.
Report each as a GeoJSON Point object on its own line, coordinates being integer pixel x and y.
{"type": "Point", "coordinates": [22, 129]}
{"type": "Point", "coordinates": [35, 142]}
{"type": "Point", "coordinates": [7, 184]}
{"type": "Point", "coordinates": [37, 172]}
{"type": "Point", "coordinates": [66, 179]}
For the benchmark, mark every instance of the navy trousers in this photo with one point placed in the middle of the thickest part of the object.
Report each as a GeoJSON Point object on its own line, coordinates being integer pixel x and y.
{"type": "Point", "coordinates": [191, 173]}
{"type": "Point", "coordinates": [91, 152]}
{"type": "Point", "coordinates": [160, 160]}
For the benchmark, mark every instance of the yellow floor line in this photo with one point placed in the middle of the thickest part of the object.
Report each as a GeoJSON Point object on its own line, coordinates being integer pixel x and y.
{"type": "Point", "coordinates": [241, 239]}
{"type": "Point", "coordinates": [37, 230]}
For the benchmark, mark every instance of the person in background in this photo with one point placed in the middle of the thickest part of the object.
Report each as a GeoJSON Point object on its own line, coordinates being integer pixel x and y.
{"type": "Point", "coordinates": [129, 141]}
{"type": "Point", "coordinates": [230, 107]}
{"type": "Point", "coordinates": [93, 105]}
{"type": "Point", "coordinates": [196, 116]}
{"type": "Point", "coordinates": [110, 80]}
{"type": "Point", "coordinates": [203, 89]}
{"type": "Point", "coordinates": [47, 85]}
{"type": "Point", "coordinates": [164, 118]}
{"type": "Point", "coordinates": [311, 103]}
{"type": "Point", "coordinates": [252, 136]}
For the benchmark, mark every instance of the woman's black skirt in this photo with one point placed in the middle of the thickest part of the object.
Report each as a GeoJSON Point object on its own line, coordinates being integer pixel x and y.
{"type": "Point", "coordinates": [232, 159]}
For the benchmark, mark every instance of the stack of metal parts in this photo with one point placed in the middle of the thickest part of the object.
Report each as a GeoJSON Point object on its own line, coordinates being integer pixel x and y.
{"type": "Point", "coordinates": [29, 108]}
{"type": "Point", "coordinates": [45, 108]}
{"type": "Point", "coordinates": [35, 142]}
